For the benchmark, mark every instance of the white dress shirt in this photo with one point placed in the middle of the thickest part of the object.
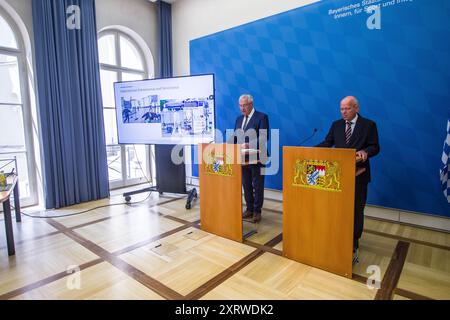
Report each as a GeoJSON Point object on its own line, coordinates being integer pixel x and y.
{"type": "Point", "coordinates": [248, 120]}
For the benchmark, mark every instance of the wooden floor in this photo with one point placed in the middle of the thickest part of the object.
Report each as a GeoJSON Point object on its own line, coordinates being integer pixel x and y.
{"type": "Point", "coordinates": [156, 250]}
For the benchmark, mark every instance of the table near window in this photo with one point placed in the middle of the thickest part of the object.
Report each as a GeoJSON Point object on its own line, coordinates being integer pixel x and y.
{"type": "Point", "coordinates": [12, 187]}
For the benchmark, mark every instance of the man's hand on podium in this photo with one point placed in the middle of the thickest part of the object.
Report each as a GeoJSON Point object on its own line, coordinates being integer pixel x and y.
{"type": "Point", "coordinates": [362, 154]}
{"type": "Point", "coordinates": [249, 156]}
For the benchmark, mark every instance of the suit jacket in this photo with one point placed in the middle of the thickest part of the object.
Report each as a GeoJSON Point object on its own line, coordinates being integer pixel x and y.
{"type": "Point", "coordinates": [364, 137]}
{"type": "Point", "coordinates": [258, 121]}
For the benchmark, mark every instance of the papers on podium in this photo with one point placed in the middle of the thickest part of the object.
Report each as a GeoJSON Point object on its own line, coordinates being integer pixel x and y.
{"type": "Point", "coordinates": [245, 152]}
{"type": "Point", "coordinates": [249, 153]}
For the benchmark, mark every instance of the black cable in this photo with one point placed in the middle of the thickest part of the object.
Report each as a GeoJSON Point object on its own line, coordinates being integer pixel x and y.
{"type": "Point", "coordinates": [104, 206]}
{"type": "Point", "coordinates": [85, 211]}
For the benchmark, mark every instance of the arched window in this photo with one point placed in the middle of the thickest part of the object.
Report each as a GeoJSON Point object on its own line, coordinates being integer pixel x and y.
{"type": "Point", "coordinates": [16, 138]}
{"type": "Point", "coordinates": [121, 59]}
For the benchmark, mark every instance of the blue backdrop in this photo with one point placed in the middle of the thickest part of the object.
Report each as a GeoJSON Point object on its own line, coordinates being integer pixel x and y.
{"type": "Point", "coordinates": [301, 63]}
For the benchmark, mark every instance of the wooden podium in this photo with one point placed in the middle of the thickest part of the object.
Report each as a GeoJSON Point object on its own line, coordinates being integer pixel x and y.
{"type": "Point", "coordinates": [221, 190]}
{"type": "Point", "coordinates": [318, 207]}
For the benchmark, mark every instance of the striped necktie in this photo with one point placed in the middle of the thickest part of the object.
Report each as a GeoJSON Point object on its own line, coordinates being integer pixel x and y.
{"type": "Point", "coordinates": [348, 132]}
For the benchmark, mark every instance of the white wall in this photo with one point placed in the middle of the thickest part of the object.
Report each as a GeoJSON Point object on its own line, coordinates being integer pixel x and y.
{"type": "Point", "coordinates": [24, 11]}
{"type": "Point", "coordinates": [192, 19]}
{"type": "Point", "coordinates": [139, 16]}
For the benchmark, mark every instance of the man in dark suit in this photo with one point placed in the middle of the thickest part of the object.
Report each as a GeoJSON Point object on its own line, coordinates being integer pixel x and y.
{"type": "Point", "coordinates": [355, 132]}
{"type": "Point", "coordinates": [255, 127]}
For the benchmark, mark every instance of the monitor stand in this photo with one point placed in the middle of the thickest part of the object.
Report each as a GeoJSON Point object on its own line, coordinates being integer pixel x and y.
{"type": "Point", "coordinates": [171, 177]}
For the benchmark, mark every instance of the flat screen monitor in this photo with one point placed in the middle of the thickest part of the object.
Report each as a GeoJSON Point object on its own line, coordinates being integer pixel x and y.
{"type": "Point", "coordinates": [179, 110]}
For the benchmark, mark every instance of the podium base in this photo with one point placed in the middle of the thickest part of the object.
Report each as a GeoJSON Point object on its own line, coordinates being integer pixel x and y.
{"type": "Point", "coordinates": [192, 194]}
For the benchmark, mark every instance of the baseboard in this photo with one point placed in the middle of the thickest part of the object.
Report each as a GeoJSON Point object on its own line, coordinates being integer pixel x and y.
{"type": "Point", "coordinates": [193, 181]}
{"type": "Point", "coordinates": [428, 221]}
{"type": "Point", "coordinates": [392, 215]}
{"type": "Point", "coordinates": [382, 213]}
{"type": "Point", "coordinates": [410, 218]}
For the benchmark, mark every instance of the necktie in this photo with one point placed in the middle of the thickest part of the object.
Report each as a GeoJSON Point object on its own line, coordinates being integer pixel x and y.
{"type": "Point", "coordinates": [245, 123]}
{"type": "Point", "coordinates": [348, 132]}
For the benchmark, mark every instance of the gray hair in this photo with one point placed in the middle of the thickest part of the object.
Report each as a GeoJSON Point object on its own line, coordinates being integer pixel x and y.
{"type": "Point", "coordinates": [249, 97]}
{"type": "Point", "coordinates": [354, 101]}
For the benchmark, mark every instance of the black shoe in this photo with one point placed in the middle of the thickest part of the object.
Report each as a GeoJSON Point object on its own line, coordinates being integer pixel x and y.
{"type": "Point", "coordinates": [248, 215]}
{"type": "Point", "coordinates": [257, 217]}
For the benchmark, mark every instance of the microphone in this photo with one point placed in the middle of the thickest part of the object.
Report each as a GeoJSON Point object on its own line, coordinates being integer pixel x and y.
{"type": "Point", "coordinates": [310, 137]}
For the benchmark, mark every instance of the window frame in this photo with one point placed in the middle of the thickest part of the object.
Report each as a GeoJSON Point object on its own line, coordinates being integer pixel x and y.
{"type": "Point", "coordinates": [20, 55]}
{"type": "Point", "coordinates": [119, 70]}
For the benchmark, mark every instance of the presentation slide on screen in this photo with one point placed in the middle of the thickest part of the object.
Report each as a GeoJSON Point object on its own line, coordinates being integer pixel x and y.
{"type": "Point", "coordinates": [166, 111]}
